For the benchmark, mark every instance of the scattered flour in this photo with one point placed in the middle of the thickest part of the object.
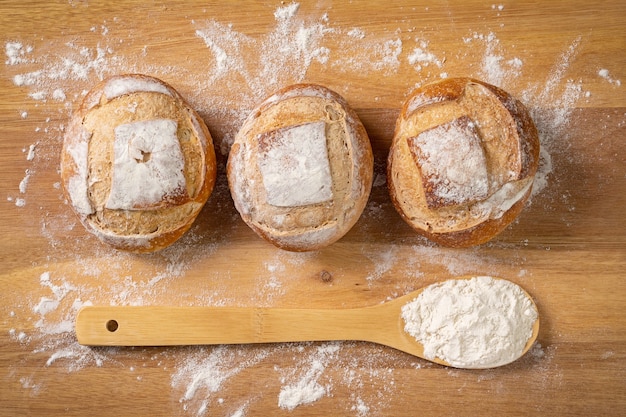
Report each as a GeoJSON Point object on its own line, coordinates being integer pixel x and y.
{"type": "Point", "coordinates": [286, 12]}
{"type": "Point", "coordinates": [366, 54]}
{"type": "Point", "coordinates": [361, 408]}
{"type": "Point", "coordinates": [382, 262]}
{"type": "Point", "coordinates": [265, 64]}
{"type": "Point", "coordinates": [356, 33]}
{"type": "Point", "coordinates": [551, 110]}
{"type": "Point", "coordinates": [30, 155]}
{"type": "Point", "coordinates": [17, 53]}
{"type": "Point", "coordinates": [604, 73]}
{"type": "Point", "coordinates": [281, 56]}
{"type": "Point", "coordinates": [59, 95]}
{"type": "Point", "coordinates": [241, 412]}
{"type": "Point", "coordinates": [495, 68]}
{"type": "Point", "coordinates": [422, 57]}
{"type": "Point", "coordinates": [203, 371]}
{"type": "Point", "coordinates": [388, 56]}
{"type": "Point", "coordinates": [56, 312]}
{"type": "Point", "coordinates": [24, 183]}
{"type": "Point", "coordinates": [78, 65]}
{"type": "Point", "coordinates": [307, 388]}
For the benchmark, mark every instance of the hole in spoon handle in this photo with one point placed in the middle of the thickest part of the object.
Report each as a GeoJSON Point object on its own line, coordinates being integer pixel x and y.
{"type": "Point", "coordinates": [112, 325]}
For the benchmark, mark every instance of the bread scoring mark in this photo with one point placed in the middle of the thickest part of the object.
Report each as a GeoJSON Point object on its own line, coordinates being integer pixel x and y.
{"type": "Point", "coordinates": [294, 165]}
{"type": "Point", "coordinates": [498, 130]}
{"type": "Point", "coordinates": [148, 165]}
{"type": "Point", "coordinates": [451, 162]}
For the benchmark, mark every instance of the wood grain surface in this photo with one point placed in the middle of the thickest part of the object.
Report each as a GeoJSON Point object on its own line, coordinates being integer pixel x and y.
{"type": "Point", "coordinates": [564, 59]}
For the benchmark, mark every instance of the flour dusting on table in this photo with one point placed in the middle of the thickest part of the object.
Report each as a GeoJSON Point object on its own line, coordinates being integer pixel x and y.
{"type": "Point", "coordinates": [52, 83]}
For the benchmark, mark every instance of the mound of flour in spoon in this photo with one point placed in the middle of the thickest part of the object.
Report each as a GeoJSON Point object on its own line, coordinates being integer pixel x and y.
{"type": "Point", "coordinates": [480, 322]}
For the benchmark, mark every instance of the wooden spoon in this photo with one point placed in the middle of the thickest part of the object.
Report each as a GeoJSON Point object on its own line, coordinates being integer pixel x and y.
{"type": "Point", "coordinates": [168, 326]}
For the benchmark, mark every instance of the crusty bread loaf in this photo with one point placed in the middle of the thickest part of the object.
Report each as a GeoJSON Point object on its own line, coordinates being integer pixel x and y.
{"type": "Point", "coordinates": [137, 163]}
{"type": "Point", "coordinates": [462, 161]}
{"type": "Point", "coordinates": [300, 169]}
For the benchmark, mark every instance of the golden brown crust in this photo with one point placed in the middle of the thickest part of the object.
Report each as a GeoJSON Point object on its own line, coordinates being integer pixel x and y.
{"type": "Point", "coordinates": [98, 192]}
{"type": "Point", "coordinates": [317, 192]}
{"type": "Point", "coordinates": [442, 183]}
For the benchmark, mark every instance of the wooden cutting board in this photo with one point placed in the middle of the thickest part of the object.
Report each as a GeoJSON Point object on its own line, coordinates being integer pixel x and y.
{"type": "Point", "coordinates": [565, 60]}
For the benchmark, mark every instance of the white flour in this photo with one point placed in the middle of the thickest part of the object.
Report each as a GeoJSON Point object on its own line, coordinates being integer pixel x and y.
{"type": "Point", "coordinates": [203, 371]}
{"type": "Point", "coordinates": [53, 82]}
{"type": "Point", "coordinates": [125, 85]}
{"type": "Point", "coordinates": [453, 179]}
{"type": "Point", "coordinates": [477, 323]}
{"type": "Point", "coordinates": [307, 388]}
{"type": "Point", "coordinates": [294, 165]}
{"type": "Point", "coordinates": [422, 57]}
{"type": "Point", "coordinates": [140, 181]}
{"type": "Point", "coordinates": [552, 124]}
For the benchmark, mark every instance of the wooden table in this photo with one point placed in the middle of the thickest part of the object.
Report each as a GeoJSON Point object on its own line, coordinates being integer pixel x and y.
{"type": "Point", "coordinates": [564, 59]}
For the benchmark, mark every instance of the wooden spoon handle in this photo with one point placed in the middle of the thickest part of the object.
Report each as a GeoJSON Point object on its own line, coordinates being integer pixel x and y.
{"type": "Point", "coordinates": [163, 326]}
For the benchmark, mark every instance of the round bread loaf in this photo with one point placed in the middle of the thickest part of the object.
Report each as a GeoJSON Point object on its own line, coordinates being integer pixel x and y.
{"type": "Point", "coordinates": [300, 169]}
{"type": "Point", "coordinates": [462, 161]}
{"type": "Point", "coordinates": [137, 163]}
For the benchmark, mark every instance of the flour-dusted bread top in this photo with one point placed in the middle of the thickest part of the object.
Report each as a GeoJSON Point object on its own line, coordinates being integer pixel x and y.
{"type": "Point", "coordinates": [462, 161]}
{"type": "Point", "coordinates": [137, 163]}
{"type": "Point", "coordinates": [300, 170]}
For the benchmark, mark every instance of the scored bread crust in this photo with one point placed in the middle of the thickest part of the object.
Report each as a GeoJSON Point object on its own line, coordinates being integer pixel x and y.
{"type": "Point", "coordinates": [499, 152]}
{"type": "Point", "coordinates": [88, 159]}
{"type": "Point", "coordinates": [295, 220]}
